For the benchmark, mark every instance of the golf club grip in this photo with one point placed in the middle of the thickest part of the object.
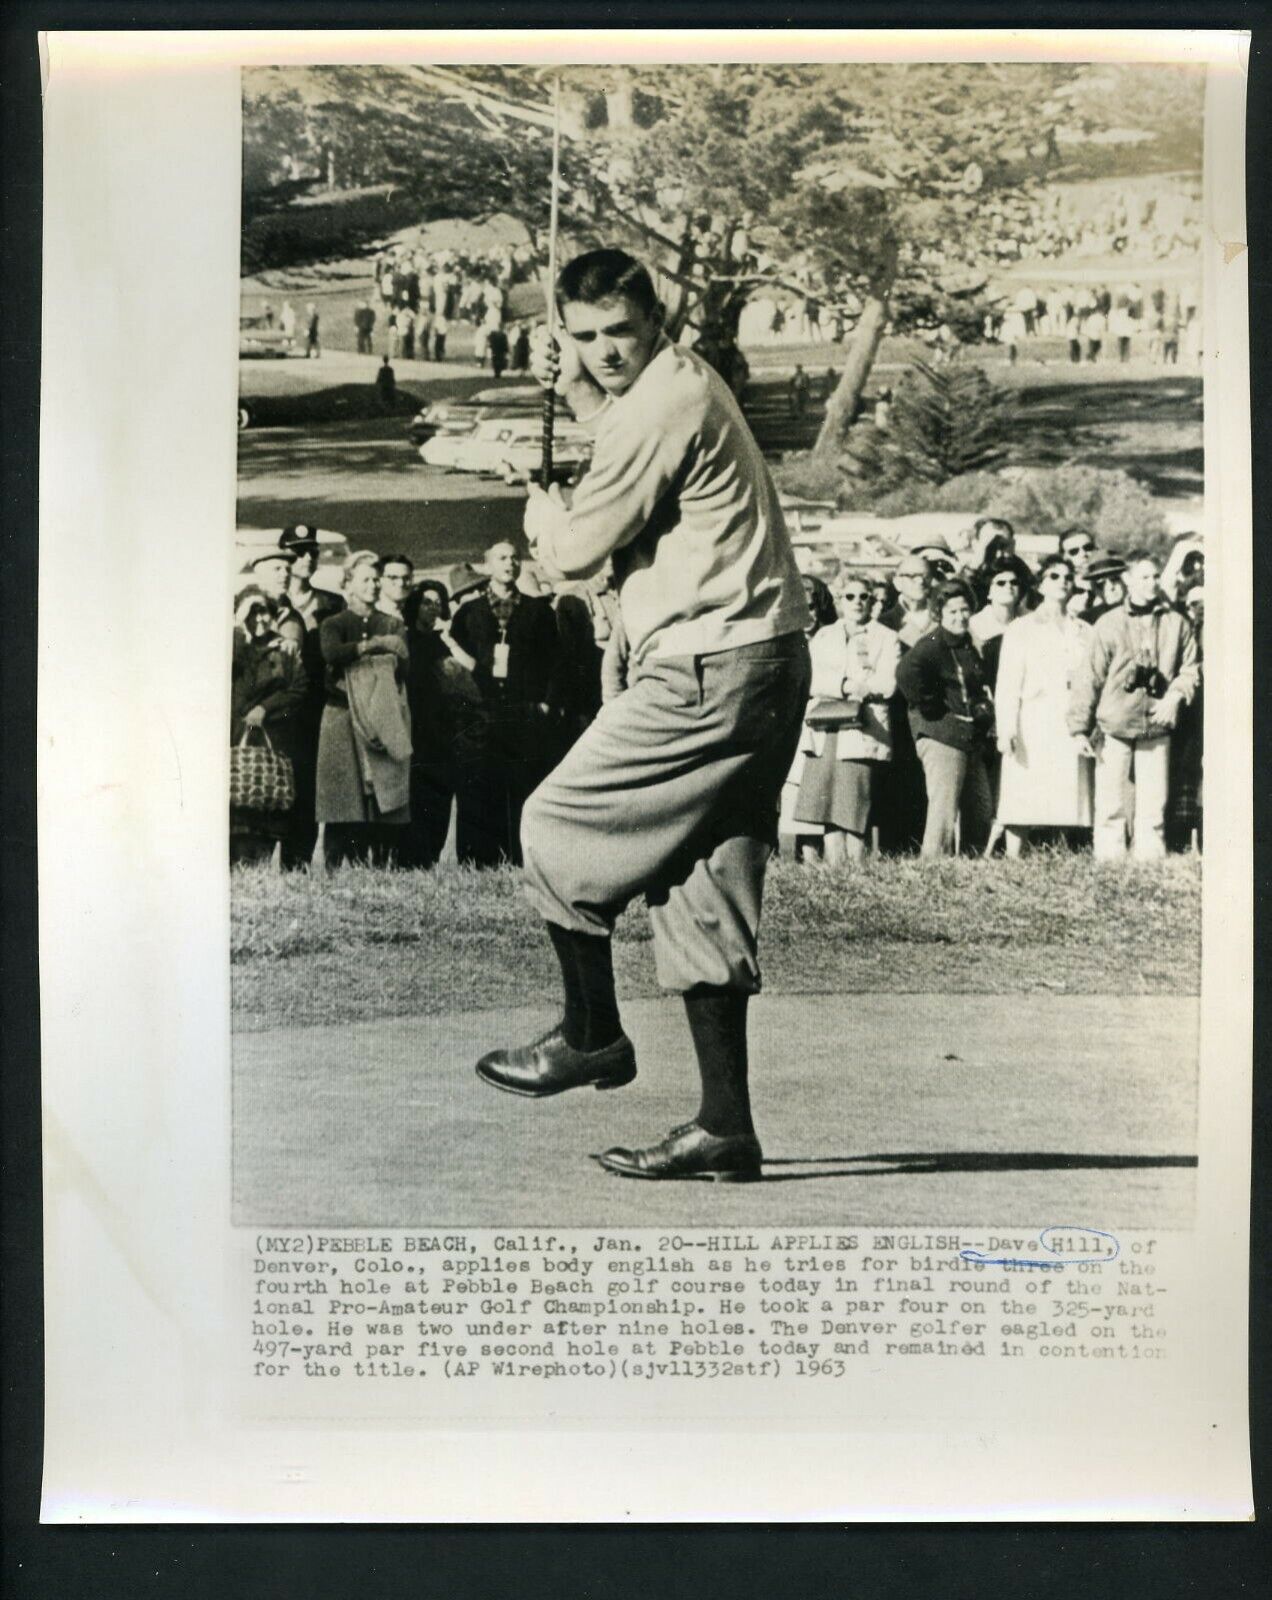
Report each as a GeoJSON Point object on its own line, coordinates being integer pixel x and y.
{"type": "Point", "coordinates": [549, 421]}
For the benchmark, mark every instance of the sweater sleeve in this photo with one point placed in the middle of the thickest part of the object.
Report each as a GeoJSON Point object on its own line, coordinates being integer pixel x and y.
{"type": "Point", "coordinates": [919, 680]}
{"type": "Point", "coordinates": [637, 461]}
{"type": "Point", "coordinates": [337, 651]}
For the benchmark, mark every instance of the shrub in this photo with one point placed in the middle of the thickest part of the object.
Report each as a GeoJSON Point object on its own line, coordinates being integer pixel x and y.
{"type": "Point", "coordinates": [811, 477]}
{"type": "Point", "coordinates": [1117, 509]}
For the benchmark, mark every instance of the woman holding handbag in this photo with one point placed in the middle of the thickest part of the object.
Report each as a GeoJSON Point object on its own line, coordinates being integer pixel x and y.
{"type": "Point", "coordinates": [267, 688]}
{"type": "Point", "coordinates": [847, 736]}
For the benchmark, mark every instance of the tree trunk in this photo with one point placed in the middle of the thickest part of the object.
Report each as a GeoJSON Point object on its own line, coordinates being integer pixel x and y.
{"type": "Point", "coordinates": [841, 408]}
{"type": "Point", "coordinates": [619, 101]}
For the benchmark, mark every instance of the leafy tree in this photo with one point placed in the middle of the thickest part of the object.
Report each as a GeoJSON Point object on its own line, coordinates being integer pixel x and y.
{"type": "Point", "coordinates": [844, 182]}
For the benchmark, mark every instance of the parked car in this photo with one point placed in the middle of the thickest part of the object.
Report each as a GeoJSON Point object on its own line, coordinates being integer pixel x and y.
{"type": "Point", "coordinates": [509, 447]}
{"type": "Point", "coordinates": [462, 415]}
{"type": "Point", "coordinates": [258, 338]}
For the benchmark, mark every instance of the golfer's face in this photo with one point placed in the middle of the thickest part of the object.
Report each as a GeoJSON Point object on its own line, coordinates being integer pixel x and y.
{"type": "Point", "coordinates": [615, 340]}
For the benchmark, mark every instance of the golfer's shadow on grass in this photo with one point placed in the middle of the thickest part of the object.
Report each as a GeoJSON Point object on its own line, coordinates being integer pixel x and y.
{"type": "Point", "coordinates": [923, 1162]}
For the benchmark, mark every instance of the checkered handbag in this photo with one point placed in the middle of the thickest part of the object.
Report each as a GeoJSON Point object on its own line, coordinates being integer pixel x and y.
{"type": "Point", "coordinates": [260, 778]}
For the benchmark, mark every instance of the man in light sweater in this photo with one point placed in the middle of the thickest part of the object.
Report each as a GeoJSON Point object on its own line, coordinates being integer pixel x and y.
{"type": "Point", "coordinates": [672, 792]}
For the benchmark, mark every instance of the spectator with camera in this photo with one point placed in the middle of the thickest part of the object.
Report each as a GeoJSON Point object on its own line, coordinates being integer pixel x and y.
{"type": "Point", "coordinates": [847, 735]}
{"type": "Point", "coordinates": [951, 716]}
{"type": "Point", "coordinates": [1140, 667]}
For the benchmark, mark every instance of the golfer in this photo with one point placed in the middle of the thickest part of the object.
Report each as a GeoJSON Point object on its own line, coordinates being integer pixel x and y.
{"type": "Point", "coordinates": [672, 792]}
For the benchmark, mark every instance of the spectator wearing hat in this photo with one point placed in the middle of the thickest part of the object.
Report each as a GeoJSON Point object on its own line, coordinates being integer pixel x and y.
{"type": "Point", "coordinates": [300, 544]}
{"type": "Point", "coordinates": [512, 639]}
{"type": "Point", "coordinates": [1140, 668]}
{"type": "Point", "coordinates": [939, 556]}
{"type": "Point", "coordinates": [1105, 574]}
{"type": "Point", "coordinates": [347, 797]}
{"type": "Point", "coordinates": [271, 574]}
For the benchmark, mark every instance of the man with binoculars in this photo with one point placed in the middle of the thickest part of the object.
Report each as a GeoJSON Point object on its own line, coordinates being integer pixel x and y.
{"type": "Point", "coordinates": [1141, 666]}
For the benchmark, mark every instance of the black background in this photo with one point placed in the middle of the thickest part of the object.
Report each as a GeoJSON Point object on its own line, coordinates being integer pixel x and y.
{"type": "Point", "coordinates": [872, 1562]}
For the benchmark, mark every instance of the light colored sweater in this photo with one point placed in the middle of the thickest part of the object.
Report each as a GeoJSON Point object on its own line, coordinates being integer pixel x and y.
{"type": "Point", "coordinates": [679, 495]}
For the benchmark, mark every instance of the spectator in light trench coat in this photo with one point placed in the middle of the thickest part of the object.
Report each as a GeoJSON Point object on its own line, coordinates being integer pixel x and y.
{"type": "Point", "coordinates": [855, 664]}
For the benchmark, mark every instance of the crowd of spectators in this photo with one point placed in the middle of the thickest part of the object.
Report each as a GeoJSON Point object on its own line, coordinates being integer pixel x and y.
{"type": "Point", "coordinates": [398, 700]}
{"type": "Point", "coordinates": [1103, 323]}
{"type": "Point", "coordinates": [953, 706]}
{"type": "Point", "coordinates": [1039, 222]}
{"type": "Point", "coordinates": [420, 296]}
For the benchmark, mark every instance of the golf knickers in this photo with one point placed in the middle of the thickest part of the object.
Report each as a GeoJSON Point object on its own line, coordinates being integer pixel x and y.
{"type": "Point", "coordinates": [672, 792]}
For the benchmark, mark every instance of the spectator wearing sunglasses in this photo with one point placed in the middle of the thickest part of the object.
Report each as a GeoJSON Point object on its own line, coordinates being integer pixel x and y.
{"type": "Point", "coordinates": [1077, 546]}
{"type": "Point", "coordinates": [994, 541]}
{"type": "Point", "coordinates": [1002, 605]}
{"type": "Point", "coordinates": [854, 678]}
{"type": "Point", "coordinates": [1045, 781]}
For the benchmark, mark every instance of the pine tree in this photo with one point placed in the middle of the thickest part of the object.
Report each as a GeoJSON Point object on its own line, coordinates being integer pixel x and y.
{"type": "Point", "coordinates": [943, 422]}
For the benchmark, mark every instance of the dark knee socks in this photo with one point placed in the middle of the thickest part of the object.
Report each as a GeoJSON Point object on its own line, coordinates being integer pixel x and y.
{"type": "Point", "coordinates": [717, 1021]}
{"type": "Point", "coordinates": [587, 969]}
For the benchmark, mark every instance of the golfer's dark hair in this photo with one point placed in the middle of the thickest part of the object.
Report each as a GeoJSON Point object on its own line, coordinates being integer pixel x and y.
{"type": "Point", "coordinates": [396, 561]}
{"type": "Point", "coordinates": [603, 275]}
{"type": "Point", "coordinates": [1140, 553]}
